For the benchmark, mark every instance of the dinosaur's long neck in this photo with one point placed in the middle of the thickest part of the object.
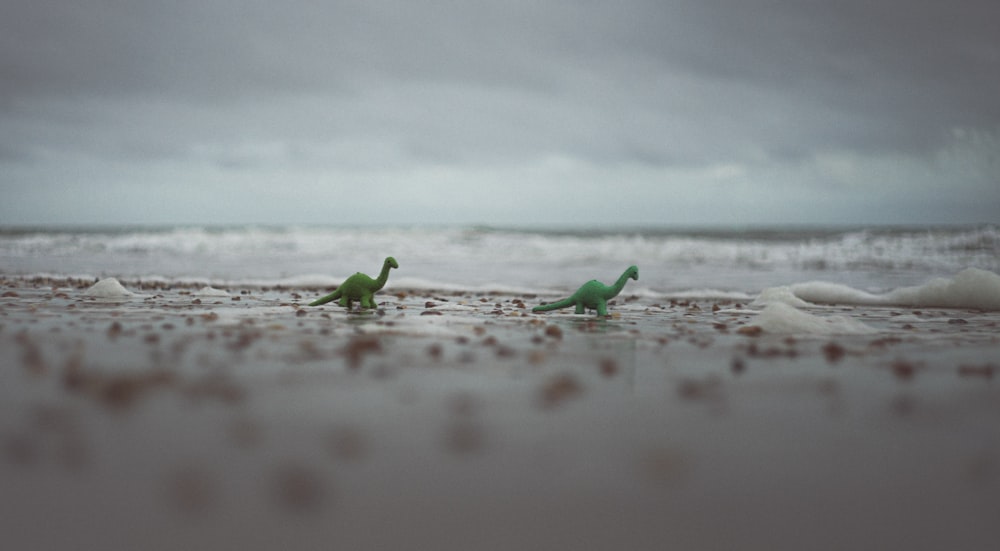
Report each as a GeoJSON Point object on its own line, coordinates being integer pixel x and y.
{"type": "Point", "coordinates": [383, 276]}
{"type": "Point", "coordinates": [618, 286]}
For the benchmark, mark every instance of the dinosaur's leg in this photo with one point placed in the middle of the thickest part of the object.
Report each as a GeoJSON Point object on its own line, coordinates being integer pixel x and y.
{"type": "Point", "coordinates": [366, 301]}
{"type": "Point", "coordinates": [345, 301]}
{"type": "Point", "coordinates": [580, 308]}
{"type": "Point", "coordinates": [602, 308]}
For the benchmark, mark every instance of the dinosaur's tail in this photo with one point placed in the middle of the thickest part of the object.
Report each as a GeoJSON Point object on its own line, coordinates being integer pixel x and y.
{"type": "Point", "coordinates": [332, 296]}
{"type": "Point", "coordinates": [554, 305]}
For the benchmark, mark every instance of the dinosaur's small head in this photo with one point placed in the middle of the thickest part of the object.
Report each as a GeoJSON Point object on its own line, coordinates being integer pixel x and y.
{"type": "Point", "coordinates": [391, 262]}
{"type": "Point", "coordinates": [633, 272]}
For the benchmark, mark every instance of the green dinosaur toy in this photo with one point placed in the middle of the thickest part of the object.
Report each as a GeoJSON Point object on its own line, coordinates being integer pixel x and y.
{"type": "Point", "coordinates": [359, 287]}
{"type": "Point", "coordinates": [592, 294]}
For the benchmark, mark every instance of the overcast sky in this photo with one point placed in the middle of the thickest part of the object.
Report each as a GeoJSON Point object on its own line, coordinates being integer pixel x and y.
{"type": "Point", "coordinates": [534, 112]}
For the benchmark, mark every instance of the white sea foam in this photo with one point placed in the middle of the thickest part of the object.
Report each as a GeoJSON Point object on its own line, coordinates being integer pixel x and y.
{"type": "Point", "coordinates": [824, 292]}
{"type": "Point", "coordinates": [108, 288]}
{"type": "Point", "coordinates": [970, 288]}
{"type": "Point", "coordinates": [778, 317]}
{"type": "Point", "coordinates": [209, 291]}
{"type": "Point", "coordinates": [779, 295]}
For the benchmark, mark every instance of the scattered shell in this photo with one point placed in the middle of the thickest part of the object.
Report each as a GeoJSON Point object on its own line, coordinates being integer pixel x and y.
{"type": "Point", "coordinates": [737, 365]}
{"type": "Point", "coordinates": [985, 370]}
{"type": "Point", "coordinates": [750, 330]}
{"type": "Point", "coordinates": [559, 389]}
{"type": "Point", "coordinates": [833, 352]}
{"type": "Point", "coordinates": [608, 367]}
{"type": "Point", "coordinates": [709, 388]}
{"type": "Point", "coordinates": [903, 369]}
{"type": "Point", "coordinates": [435, 350]}
{"type": "Point", "coordinates": [360, 346]}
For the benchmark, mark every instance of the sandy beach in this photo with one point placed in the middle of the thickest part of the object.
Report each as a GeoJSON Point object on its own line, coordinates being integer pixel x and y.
{"type": "Point", "coordinates": [242, 419]}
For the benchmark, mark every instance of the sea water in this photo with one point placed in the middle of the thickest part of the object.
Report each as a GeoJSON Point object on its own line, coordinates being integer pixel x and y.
{"type": "Point", "coordinates": [935, 266]}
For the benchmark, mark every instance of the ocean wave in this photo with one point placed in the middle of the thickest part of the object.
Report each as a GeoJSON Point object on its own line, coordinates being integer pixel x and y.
{"type": "Point", "coordinates": [670, 261]}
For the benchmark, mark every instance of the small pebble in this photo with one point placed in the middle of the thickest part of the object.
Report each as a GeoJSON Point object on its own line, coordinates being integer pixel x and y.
{"type": "Point", "coordinates": [608, 367]}
{"type": "Point", "coordinates": [298, 489]}
{"type": "Point", "coordinates": [559, 389]}
{"type": "Point", "coordinates": [833, 352]}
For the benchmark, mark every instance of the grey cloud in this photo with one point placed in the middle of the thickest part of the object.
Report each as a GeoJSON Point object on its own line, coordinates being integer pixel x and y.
{"type": "Point", "coordinates": [916, 68]}
{"type": "Point", "coordinates": [343, 87]}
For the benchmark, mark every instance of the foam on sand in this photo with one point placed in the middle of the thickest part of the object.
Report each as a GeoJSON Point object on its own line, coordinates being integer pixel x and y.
{"type": "Point", "coordinates": [209, 291]}
{"type": "Point", "coordinates": [108, 288]}
{"type": "Point", "coordinates": [779, 317]}
{"type": "Point", "coordinates": [779, 295]}
{"type": "Point", "coordinates": [971, 288]}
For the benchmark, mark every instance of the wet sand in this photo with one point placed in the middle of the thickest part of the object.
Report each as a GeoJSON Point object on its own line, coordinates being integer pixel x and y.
{"type": "Point", "coordinates": [179, 419]}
